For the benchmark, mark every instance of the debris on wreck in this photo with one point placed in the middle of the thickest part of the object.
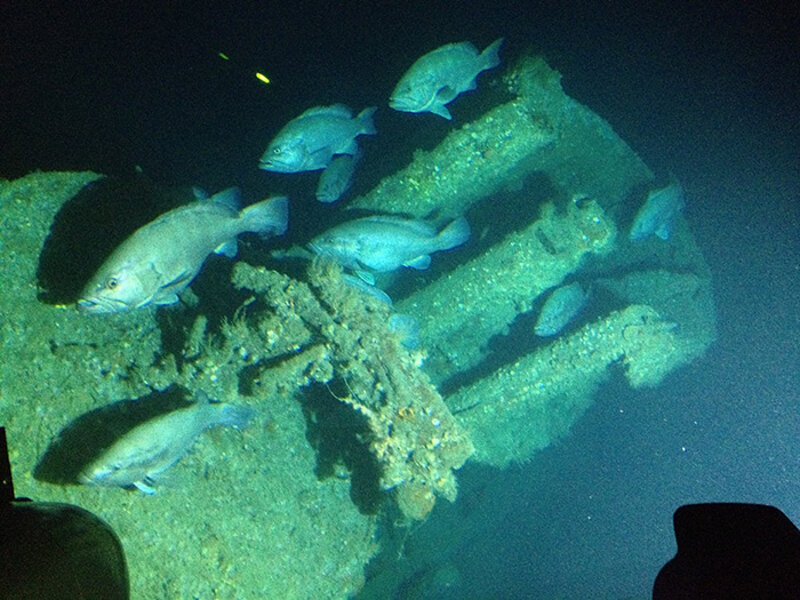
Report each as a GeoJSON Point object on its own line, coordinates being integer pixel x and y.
{"type": "Point", "coordinates": [414, 437]}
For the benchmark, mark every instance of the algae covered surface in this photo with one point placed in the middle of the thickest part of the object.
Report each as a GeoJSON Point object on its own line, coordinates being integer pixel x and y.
{"type": "Point", "coordinates": [350, 425]}
{"type": "Point", "coordinates": [242, 515]}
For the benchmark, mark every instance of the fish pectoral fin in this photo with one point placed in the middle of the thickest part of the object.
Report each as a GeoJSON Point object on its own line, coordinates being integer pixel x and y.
{"type": "Point", "coordinates": [322, 156]}
{"type": "Point", "coordinates": [165, 299]}
{"type": "Point", "coordinates": [420, 262]}
{"type": "Point", "coordinates": [168, 293]}
{"type": "Point", "coordinates": [365, 276]}
{"type": "Point", "coordinates": [171, 288]}
{"type": "Point", "coordinates": [144, 302]}
{"type": "Point", "coordinates": [229, 248]}
{"type": "Point", "coordinates": [144, 488]}
{"type": "Point", "coordinates": [447, 94]}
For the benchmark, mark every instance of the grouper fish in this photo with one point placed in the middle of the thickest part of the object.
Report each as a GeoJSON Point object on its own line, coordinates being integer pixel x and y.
{"type": "Point", "coordinates": [386, 243]}
{"type": "Point", "coordinates": [657, 215]}
{"type": "Point", "coordinates": [437, 77]}
{"type": "Point", "coordinates": [159, 260]}
{"type": "Point", "coordinates": [152, 447]}
{"type": "Point", "coordinates": [563, 305]}
{"type": "Point", "coordinates": [309, 142]}
{"type": "Point", "coordinates": [337, 177]}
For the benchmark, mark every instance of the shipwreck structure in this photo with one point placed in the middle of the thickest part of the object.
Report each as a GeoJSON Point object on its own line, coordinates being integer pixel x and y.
{"type": "Point", "coordinates": [348, 416]}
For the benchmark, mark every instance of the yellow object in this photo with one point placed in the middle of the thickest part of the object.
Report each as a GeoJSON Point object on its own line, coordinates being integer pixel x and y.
{"type": "Point", "coordinates": [260, 76]}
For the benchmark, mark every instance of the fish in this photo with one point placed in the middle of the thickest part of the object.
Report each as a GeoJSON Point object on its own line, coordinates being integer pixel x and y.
{"type": "Point", "coordinates": [386, 243]}
{"type": "Point", "coordinates": [437, 77]}
{"type": "Point", "coordinates": [337, 177]}
{"type": "Point", "coordinates": [657, 214]}
{"type": "Point", "coordinates": [562, 305]}
{"type": "Point", "coordinates": [368, 288]}
{"type": "Point", "coordinates": [406, 328]}
{"type": "Point", "coordinates": [139, 456]}
{"type": "Point", "coordinates": [309, 142]}
{"type": "Point", "coordinates": [159, 260]}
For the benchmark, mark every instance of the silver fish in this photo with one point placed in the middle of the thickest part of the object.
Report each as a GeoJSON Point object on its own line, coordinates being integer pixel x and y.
{"type": "Point", "coordinates": [563, 304]}
{"type": "Point", "coordinates": [310, 141]}
{"type": "Point", "coordinates": [152, 447]}
{"type": "Point", "coordinates": [159, 260]}
{"type": "Point", "coordinates": [436, 78]}
{"type": "Point", "coordinates": [386, 243]}
{"type": "Point", "coordinates": [657, 214]}
{"type": "Point", "coordinates": [337, 177]}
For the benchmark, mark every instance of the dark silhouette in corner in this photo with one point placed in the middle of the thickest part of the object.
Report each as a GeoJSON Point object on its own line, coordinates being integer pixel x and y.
{"type": "Point", "coordinates": [731, 551]}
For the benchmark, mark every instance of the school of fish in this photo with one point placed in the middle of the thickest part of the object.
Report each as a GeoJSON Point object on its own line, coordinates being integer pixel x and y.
{"type": "Point", "coordinates": [157, 262]}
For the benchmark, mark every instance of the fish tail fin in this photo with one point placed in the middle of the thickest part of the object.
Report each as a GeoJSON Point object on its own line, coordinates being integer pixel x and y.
{"type": "Point", "coordinates": [220, 413]}
{"type": "Point", "coordinates": [232, 415]}
{"type": "Point", "coordinates": [268, 217]}
{"type": "Point", "coordinates": [455, 234]}
{"type": "Point", "coordinates": [364, 119]}
{"type": "Point", "coordinates": [490, 57]}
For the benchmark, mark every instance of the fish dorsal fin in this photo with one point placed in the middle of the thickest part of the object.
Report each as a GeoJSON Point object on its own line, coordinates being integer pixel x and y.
{"type": "Point", "coordinates": [467, 47]}
{"type": "Point", "coordinates": [334, 110]}
{"type": "Point", "coordinates": [455, 48]}
{"type": "Point", "coordinates": [230, 198]}
{"type": "Point", "coordinates": [421, 228]}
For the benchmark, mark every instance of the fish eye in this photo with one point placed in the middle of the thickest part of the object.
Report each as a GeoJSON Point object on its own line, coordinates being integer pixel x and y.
{"type": "Point", "coordinates": [112, 283]}
{"type": "Point", "coordinates": [276, 151]}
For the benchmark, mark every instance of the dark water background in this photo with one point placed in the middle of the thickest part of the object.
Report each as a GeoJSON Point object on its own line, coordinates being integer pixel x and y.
{"type": "Point", "coordinates": [708, 94]}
